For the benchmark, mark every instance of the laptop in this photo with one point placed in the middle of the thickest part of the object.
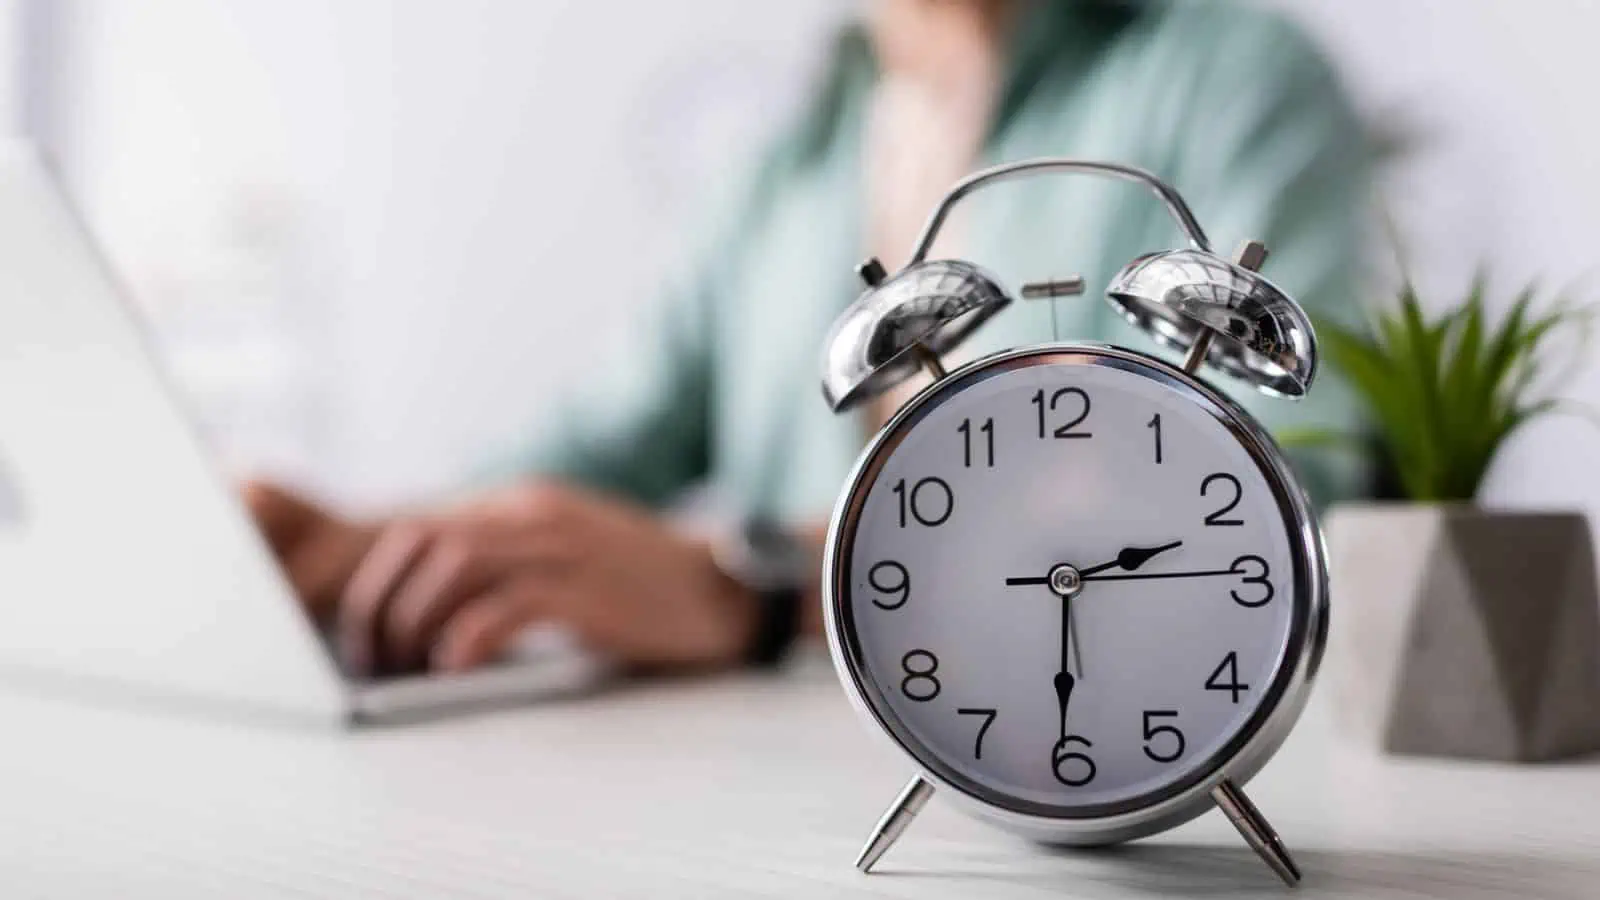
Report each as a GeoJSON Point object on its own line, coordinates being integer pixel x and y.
{"type": "Point", "coordinates": [127, 563]}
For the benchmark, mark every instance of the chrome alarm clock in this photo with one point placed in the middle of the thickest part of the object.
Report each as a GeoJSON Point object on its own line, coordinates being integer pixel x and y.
{"type": "Point", "coordinates": [1077, 585]}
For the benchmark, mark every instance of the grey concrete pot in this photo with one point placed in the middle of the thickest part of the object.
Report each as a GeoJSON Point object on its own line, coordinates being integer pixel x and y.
{"type": "Point", "coordinates": [1462, 632]}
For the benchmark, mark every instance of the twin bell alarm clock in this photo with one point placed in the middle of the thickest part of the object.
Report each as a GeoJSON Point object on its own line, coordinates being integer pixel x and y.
{"type": "Point", "coordinates": [1075, 584]}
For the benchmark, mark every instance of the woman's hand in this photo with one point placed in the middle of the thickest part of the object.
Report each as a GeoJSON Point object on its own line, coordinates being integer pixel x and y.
{"type": "Point", "coordinates": [452, 590]}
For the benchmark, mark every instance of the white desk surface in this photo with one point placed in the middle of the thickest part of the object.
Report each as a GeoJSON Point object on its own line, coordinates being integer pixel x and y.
{"type": "Point", "coordinates": [742, 786]}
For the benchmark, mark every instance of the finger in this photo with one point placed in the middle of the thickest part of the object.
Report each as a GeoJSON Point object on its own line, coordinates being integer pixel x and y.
{"type": "Point", "coordinates": [282, 516]}
{"type": "Point", "coordinates": [454, 570]}
{"type": "Point", "coordinates": [392, 556]}
{"type": "Point", "coordinates": [483, 629]}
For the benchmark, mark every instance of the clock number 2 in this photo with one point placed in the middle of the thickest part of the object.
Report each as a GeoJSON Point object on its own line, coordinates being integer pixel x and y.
{"type": "Point", "coordinates": [1065, 431]}
{"type": "Point", "coordinates": [1217, 518]}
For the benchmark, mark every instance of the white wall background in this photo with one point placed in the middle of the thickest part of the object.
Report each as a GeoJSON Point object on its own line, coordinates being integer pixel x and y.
{"type": "Point", "coordinates": [377, 227]}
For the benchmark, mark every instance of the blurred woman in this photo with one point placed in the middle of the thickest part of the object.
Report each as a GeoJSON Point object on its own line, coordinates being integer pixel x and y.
{"type": "Point", "coordinates": [1229, 104]}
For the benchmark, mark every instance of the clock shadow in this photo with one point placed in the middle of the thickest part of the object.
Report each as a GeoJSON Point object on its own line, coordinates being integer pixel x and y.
{"type": "Point", "coordinates": [1195, 870]}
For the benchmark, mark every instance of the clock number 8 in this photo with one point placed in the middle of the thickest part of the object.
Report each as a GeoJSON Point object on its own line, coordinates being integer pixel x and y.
{"type": "Point", "coordinates": [920, 684]}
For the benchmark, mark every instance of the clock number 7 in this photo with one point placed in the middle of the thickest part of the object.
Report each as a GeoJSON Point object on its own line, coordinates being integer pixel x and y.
{"type": "Point", "coordinates": [988, 719]}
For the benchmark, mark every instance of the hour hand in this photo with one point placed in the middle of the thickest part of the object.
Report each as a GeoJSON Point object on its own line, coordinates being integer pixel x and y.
{"type": "Point", "coordinates": [1131, 558]}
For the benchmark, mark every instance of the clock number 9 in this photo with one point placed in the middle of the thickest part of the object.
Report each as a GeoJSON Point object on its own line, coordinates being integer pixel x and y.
{"type": "Point", "coordinates": [1240, 566]}
{"type": "Point", "coordinates": [929, 512]}
{"type": "Point", "coordinates": [898, 581]}
{"type": "Point", "coordinates": [920, 684]}
{"type": "Point", "coordinates": [1072, 768]}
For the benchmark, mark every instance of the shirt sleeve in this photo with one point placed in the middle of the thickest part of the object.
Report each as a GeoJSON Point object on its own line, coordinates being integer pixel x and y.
{"type": "Point", "coordinates": [1270, 148]}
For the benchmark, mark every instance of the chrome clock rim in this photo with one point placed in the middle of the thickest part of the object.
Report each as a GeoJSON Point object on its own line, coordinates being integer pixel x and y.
{"type": "Point", "coordinates": [1238, 760]}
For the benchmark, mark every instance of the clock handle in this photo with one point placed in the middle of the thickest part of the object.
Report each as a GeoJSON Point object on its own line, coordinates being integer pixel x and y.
{"type": "Point", "coordinates": [913, 797]}
{"type": "Point", "coordinates": [1174, 203]}
{"type": "Point", "coordinates": [1256, 830]}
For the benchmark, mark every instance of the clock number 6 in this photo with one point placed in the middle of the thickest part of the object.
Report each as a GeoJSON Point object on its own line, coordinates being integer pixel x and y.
{"type": "Point", "coordinates": [1151, 732]}
{"type": "Point", "coordinates": [920, 684]}
{"type": "Point", "coordinates": [1239, 566]}
{"type": "Point", "coordinates": [1063, 762]}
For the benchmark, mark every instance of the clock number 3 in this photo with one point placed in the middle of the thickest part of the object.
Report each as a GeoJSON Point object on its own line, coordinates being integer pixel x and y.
{"type": "Point", "coordinates": [1242, 567]}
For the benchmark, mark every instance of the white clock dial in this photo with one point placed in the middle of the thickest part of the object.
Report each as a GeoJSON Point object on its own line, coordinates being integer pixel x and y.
{"type": "Point", "coordinates": [1188, 605]}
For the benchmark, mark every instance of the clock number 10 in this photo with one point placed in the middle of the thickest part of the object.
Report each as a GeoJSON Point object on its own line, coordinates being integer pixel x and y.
{"type": "Point", "coordinates": [929, 501]}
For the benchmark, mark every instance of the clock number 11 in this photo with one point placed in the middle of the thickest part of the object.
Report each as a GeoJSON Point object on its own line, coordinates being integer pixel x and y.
{"type": "Point", "coordinates": [987, 430]}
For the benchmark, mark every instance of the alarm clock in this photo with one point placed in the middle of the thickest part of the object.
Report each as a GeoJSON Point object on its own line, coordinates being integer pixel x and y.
{"type": "Point", "coordinates": [1077, 585]}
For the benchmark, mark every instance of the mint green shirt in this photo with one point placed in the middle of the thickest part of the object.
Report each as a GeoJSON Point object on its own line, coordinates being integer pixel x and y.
{"type": "Point", "coordinates": [1230, 105]}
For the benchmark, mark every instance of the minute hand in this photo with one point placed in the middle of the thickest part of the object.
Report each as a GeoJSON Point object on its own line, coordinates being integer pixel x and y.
{"type": "Point", "coordinates": [1208, 573]}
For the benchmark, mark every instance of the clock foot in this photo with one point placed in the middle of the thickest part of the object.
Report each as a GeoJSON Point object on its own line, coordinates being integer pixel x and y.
{"type": "Point", "coordinates": [900, 813]}
{"type": "Point", "coordinates": [1256, 831]}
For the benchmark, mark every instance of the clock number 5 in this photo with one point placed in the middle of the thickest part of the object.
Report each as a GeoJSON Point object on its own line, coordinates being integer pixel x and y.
{"type": "Point", "coordinates": [1152, 732]}
{"type": "Point", "coordinates": [988, 719]}
{"type": "Point", "coordinates": [1064, 431]}
{"type": "Point", "coordinates": [1217, 518]}
{"type": "Point", "coordinates": [929, 501]}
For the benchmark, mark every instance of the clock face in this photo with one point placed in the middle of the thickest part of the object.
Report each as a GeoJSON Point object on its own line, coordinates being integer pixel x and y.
{"type": "Point", "coordinates": [1067, 585]}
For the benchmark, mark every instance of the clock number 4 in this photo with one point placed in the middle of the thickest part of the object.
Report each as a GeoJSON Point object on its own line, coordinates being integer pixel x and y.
{"type": "Point", "coordinates": [1220, 516]}
{"type": "Point", "coordinates": [987, 431]}
{"type": "Point", "coordinates": [1065, 431]}
{"type": "Point", "coordinates": [1229, 669]}
{"type": "Point", "coordinates": [930, 501]}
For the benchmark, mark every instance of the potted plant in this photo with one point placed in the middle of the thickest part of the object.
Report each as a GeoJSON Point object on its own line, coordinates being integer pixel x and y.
{"type": "Point", "coordinates": [1459, 630]}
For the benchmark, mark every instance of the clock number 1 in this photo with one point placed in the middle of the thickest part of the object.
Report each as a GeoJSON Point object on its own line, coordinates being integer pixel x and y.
{"type": "Point", "coordinates": [1155, 423]}
{"type": "Point", "coordinates": [987, 429]}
